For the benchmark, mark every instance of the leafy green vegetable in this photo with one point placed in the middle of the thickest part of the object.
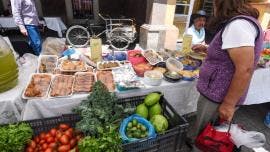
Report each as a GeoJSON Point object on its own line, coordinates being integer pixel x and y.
{"type": "Point", "coordinates": [99, 110]}
{"type": "Point", "coordinates": [13, 138]}
{"type": "Point", "coordinates": [108, 140]}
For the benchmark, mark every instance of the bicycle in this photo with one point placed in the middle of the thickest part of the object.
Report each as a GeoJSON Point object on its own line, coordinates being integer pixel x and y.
{"type": "Point", "coordinates": [119, 33]}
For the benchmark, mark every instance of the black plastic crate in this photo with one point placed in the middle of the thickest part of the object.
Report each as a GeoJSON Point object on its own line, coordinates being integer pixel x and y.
{"type": "Point", "coordinates": [171, 141]}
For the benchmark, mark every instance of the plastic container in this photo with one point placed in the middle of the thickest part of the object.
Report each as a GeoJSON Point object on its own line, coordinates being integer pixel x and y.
{"type": "Point", "coordinates": [62, 89]}
{"type": "Point", "coordinates": [114, 65]}
{"type": "Point", "coordinates": [9, 69]}
{"type": "Point", "coordinates": [153, 78]}
{"type": "Point", "coordinates": [83, 82]}
{"type": "Point", "coordinates": [171, 141]}
{"type": "Point", "coordinates": [38, 84]}
{"type": "Point", "coordinates": [152, 57]}
{"type": "Point", "coordinates": [47, 63]}
{"type": "Point", "coordinates": [174, 65]}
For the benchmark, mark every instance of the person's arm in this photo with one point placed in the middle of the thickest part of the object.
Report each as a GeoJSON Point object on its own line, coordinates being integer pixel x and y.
{"type": "Point", "coordinates": [243, 59]}
{"type": "Point", "coordinates": [16, 6]}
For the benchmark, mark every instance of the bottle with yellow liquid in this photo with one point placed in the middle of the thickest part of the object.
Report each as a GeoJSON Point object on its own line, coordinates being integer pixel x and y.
{"type": "Point", "coordinates": [96, 49]}
{"type": "Point", "coordinates": [8, 67]}
{"type": "Point", "coordinates": [187, 42]}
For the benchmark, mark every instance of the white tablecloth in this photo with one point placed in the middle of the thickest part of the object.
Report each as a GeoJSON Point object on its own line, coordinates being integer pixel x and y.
{"type": "Point", "coordinates": [11, 103]}
{"type": "Point", "coordinates": [181, 95]}
{"type": "Point", "coordinates": [259, 91]}
{"type": "Point", "coordinates": [53, 23]}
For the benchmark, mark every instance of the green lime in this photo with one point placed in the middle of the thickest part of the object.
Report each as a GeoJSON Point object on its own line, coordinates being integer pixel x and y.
{"type": "Point", "coordinates": [134, 122]}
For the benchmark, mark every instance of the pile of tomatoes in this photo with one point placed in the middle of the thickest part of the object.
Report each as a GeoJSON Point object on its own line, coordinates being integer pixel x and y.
{"type": "Point", "coordinates": [60, 139]}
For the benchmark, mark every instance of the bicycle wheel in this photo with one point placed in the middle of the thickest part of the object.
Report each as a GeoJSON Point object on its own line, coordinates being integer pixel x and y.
{"type": "Point", "coordinates": [118, 39]}
{"type": "Point", "coordinates": [77, 36]}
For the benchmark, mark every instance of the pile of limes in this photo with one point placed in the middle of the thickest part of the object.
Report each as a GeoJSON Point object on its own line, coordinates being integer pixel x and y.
{"type": "Point", "coordinates": [136, 130]}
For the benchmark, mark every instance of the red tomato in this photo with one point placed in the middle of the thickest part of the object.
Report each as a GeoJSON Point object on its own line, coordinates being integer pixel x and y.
{"type": "Point", "coordinates": [53, 145]}
{"type": "Point", "coordinates": [42, 135]}
{"type": "Point", "coordinates": [53, 132]}
{"type": "Point", "coordinates": [36, 139]}
{"type": "Point", "coordinates": [49, 150]}
{"type": "Point", "coordinates": [32, 144]}
{"type": "Point", "coordinates": [64, 140]}
{"type": "Point", "coordinates": [69, 133]}
{"type": "Point", "coordinates": [42, 141]}
{"type": "Point", "coordinates": [48, 135]}
{"type": "Point", "coordinates": [58, 134]}
{"type": "Point", "coordinates": [44, 146]}
{"type": "Point", "coordinates": [29, 149]}
{"type": "Point", "coordinates": [73, 143]}
{"type": "Point", "coordinates": [50, 140]}
{"type": "Point", "coordinates": [64, 126]}
{"type": "Point", "coordinates": [64, 148]}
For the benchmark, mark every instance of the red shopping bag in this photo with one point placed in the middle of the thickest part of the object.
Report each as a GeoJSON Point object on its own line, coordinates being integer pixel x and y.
{"type": "Point", "coordinates": [211, 140]}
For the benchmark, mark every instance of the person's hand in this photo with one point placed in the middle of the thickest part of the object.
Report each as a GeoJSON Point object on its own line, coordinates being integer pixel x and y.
{"type": "Point", "coordinates": [24, 31]}
{"type": "Point", "coordinates": [199, 48]}
{"type": "Point", "coordinates": [226, 111]}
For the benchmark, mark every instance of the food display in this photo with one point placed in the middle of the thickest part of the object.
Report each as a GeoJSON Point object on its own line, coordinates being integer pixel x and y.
{"type": "Point", "coordinates": [106, 77]}
{"type": "Point", "coordinates": [62, 86]}
{"type": "Point", "coordinates": [189, 75]}
{"type": "Point", "coordinates": [83, 82]}
{"type": "Point", "coordinates": [152, 57]}
{"type": "Point", "coordinates": [14, 137]}
{"type": "Point", "coordinates": [107, 65]}
{"type": "Point", "coordinates": [63, 138]}
{"type": "Point", "coordinates": [160, 69]}
{"type": "Point", "coordinates": [136, 57]}
{"type": "Point", "coordinates": [47, 63]}
{"type": "Point", "coordinates": [72, 66]}
{"type": "Point", "coordinates": [174, 65]}
{"type": "Point", "coordinates": [141, 68]}
{"type": "Point", "coordinates": [136, 130]}
{"type": "Point", "coordinates": [172, 76]}
{"type": "Point", "coordinates": [39, 86]}
{"type": "Point", "coordinates": [197, 55]}
{"type": "Point", "coordinates": [153, 78]}
{"type": "Point", "coordinates": [164, 55]}
{"type": "Point", "coordinates": [189, 63]}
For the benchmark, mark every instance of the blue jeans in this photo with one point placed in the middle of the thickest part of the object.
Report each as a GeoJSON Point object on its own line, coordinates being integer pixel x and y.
{"type": "Point", "coordinates": [34, 38]}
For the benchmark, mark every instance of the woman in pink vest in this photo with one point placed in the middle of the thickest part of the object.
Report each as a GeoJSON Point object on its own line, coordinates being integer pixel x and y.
{"type": "Point", "coordinates": [231, 59]}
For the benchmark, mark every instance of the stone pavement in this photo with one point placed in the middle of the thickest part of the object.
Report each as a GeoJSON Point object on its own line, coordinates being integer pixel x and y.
{"type": "Point", "coordinates": [251, 117]}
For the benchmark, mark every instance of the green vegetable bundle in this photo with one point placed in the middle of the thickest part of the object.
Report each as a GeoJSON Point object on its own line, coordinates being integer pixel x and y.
{"type": "Point", "coordinates": [108, 140]}
{"type": "Point", "coordinates": [13, 138]}
{"type": "Point", "coordinates": [100, 109]}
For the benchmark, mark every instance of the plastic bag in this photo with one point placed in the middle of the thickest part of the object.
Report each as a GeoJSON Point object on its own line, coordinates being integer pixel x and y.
{"type": "Point", "coordinates": [53, 46]}
{"type": "Point", "coordinates": [250, 139]}
{"type": "Point", "coordinates": [241, 137]}
{"type": "Point", "coordinates": [146, 123]}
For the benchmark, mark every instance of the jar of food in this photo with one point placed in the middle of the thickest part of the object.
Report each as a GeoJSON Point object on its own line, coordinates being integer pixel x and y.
{"type": "Point", "coordinates": [8, 67]}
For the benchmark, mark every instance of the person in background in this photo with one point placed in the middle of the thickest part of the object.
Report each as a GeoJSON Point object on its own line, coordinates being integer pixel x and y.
{"type": "Point", "coordinates": [231, 59]}
{"type": "Point", "coordinates": [26, 18]}
{"type": "Point", "coordinates": [196, 28]}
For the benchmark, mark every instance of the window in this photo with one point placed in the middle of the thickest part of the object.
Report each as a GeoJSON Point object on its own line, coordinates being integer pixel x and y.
{"type": "Point", "coordinates": [82, 9]}
{"type": "Point", "coordinates": [183, 11]}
